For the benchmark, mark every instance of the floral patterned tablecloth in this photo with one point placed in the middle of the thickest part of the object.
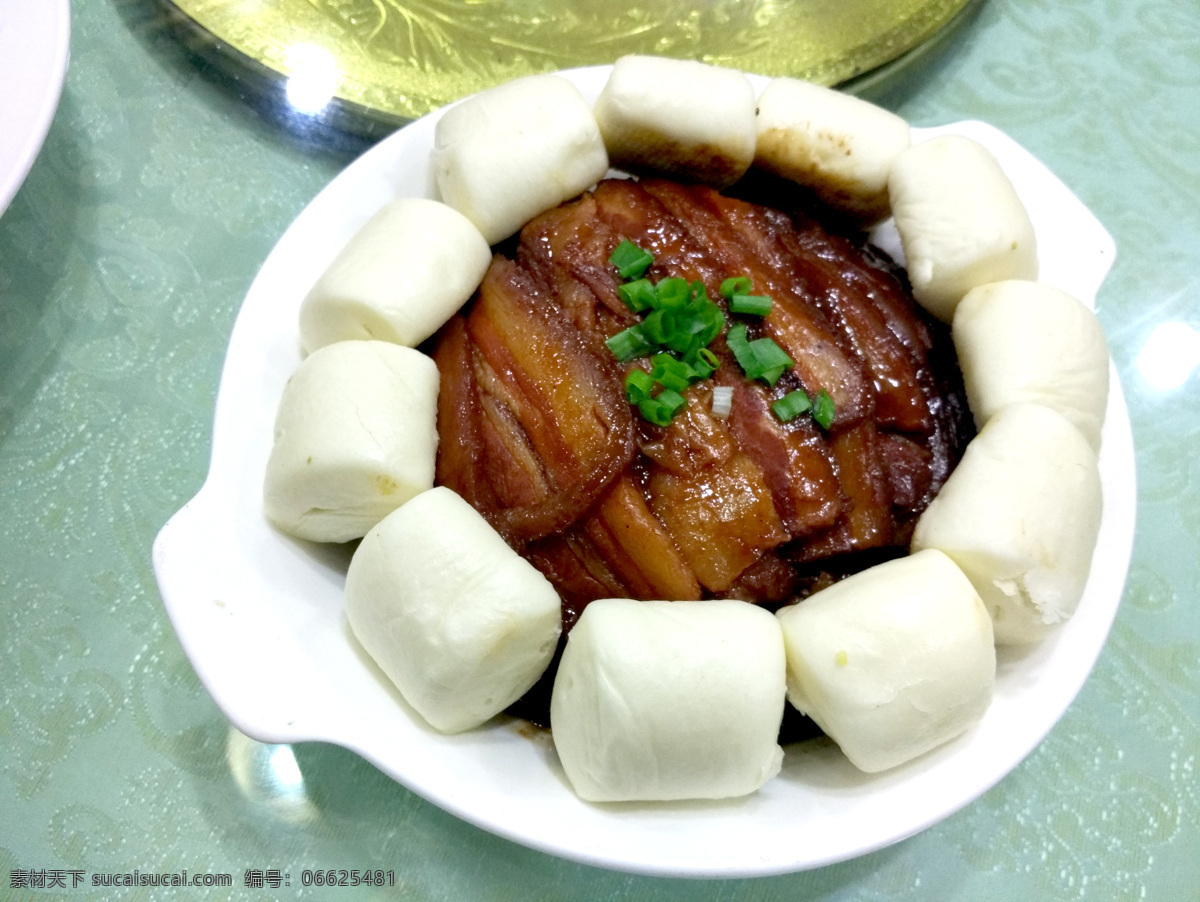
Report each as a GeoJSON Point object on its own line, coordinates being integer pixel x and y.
{"type": "Point", "coordinates": [162, 186]}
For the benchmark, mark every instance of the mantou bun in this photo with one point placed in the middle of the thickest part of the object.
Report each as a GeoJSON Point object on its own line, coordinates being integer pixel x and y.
{"type": "Point", "coordinates": [399, 278]}
{"type": "Point", "coordinates": [892, 661]}
{"type": "Point", "coordinates": [1024, 341]}
{"type": "Point", "coordinates": [960, 221]}
{"type": "Point", "coordinates": [457, 620]}
{"type": "Point", "coordinates": [506, 154]}
{"type": "Point", "coordinates": [679, 118]}
{"type": "Point", "coordinates": [1020, 516]}
{"type": "Point", "coordinates": [840, 146]}
{"type": "Point", "coordinates": [355, 437]}
{"type": "Point", "coordinates": [662, 700]}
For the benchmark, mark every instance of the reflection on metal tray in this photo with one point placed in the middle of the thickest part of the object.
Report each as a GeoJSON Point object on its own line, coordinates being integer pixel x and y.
{"type": "Point", "coordinates": [391, 61]}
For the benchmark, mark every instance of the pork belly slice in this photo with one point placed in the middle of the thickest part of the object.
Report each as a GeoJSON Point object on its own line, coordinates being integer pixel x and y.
{"type": "Point", "coordinates": [629, 534]}
{"type": "Point", "coordinates": [847, 298]}
{"type": "Point", "coordinates": [577, 570]}
{"type": "Point", "coordinates": [566, 250]}
{"type": "Point", "coordinates": [618, 549]}
{"type": "Point", "coordinates": [722, 518]}
{"type": "Point", "coordinates": [543, 422]}
{"type": "Point", "coordinates": [770, 580]}
{"type": "Point", "coordinates": [820, 272]}
{"type": "Point", "coordinates": [695, 439]}
{"type": "Point", "coordinates": [793, 457]}
{"type": "Point", "coordinates": [908, 468]}
{"type": "Point", "coordinates": [632, 212]}
{"type": "Point", "coordinates": [866, 520]}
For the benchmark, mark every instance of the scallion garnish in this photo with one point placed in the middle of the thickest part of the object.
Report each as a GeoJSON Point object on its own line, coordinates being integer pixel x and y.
{"type": "Point", "coordinates": [680, 322]}
{"type": "Point", "coordinates": [638, 385]}
{"type": "Point", "coordinates": [739, 345]}
{"type": "Point", "coordinates": [630, 260]}
{"type": "Point", "coordinates": [759, 359]}
{"type": "Point", "coordinates": [661, 409]}
{"type": "Point", "coordinates": [672, 372]}
{"type": "Point", "coordinates": [791, 405]}
{"type": "Point", "coordinates": [735, 285]}
{"type": "Point", "coordinates": [797, 402]}
{"type": "Point", "coordinates": [722, 401]}
{"type": "Point", "coordinates": [823, 411]}
{"type": "Point", "coordinates": [673, 401]}
{"type": "Point", "coordinates": [638, 296]}
{"type": "Point", "coordinates": [629, 343]}
{"type": "Point", "coordinates": [672, 293]}
{"type": "Point", "coordinates": [737, 291]}
{"type": "Point", "coordinates": [703, 363]}
{"type": "Point", "coordinates": [751, 304]}
{"type": "Point", "coordinates": [709, 359]}
{"type": "Point", "coordinates": [772, 360]}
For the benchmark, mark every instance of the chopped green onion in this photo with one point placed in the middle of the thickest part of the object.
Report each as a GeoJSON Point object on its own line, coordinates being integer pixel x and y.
{"type": "Point", "coordinates": [759, 359]}
{"type": "Point", "coordinates": [638, 385]}
{"type": "Point", "coordinates": [770, 360]}
{"type": "Point", "coordinates": [671, 372]}
{"type": "Point", "coordinates": [795, 403]}
{"type": "Point", "coordinates": [736, 285]}
{"type": "Point", "coordinates": [722, 401]}
{"type": "Point", "coordinates": [637, 296]}
{"type": "Point", "coordinates": [791, 405]}
{"type": "Point", "coordinates": [653, 412]}
{"type": "Point", "coordinates": [769, 354]}
{"type": "Point", "coordinates": [740, 346]}
{"type": "Point", "coordinates": [752, 304]}
{"type": "Point", "coordinates": [672, 400]}
{"type": "Point", "coordinates": [703, 363]}
{"type": "Point", "coordinates": [771, 375]}
{"type": "Point", "coordinates": [654, 329]}
{"type": "Point", "coordinates": [629, 343]}
{"type": "Point", "coordinates": [737, 292]}
{"type": "Point", "coordinates": [823, 411]}
{"type": "Point", "coordinates": [685, 335]}
{"type": "Point", "coordinates": [662, 409]}
{"type": "Point", "coordinates": [680, 322]}
{"type": "Point", "coordinates": [710, 318]}
{"type": "Point", "coordinates": [630, 260]}
{"type": "Point", "coordinates": [671, 293]}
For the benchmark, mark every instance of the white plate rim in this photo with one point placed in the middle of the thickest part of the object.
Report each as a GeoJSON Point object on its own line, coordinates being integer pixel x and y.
{"type": "Point", "coordinates": [259, 616]}
{"type": "Point", "coordinates": [35, 41]}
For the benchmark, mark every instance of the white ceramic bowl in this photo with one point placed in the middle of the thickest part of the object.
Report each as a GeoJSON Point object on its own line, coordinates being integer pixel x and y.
{"type": "Point", "coordinates": [35, 41]}
{"type": "Point", "coordinates": [260, 614]}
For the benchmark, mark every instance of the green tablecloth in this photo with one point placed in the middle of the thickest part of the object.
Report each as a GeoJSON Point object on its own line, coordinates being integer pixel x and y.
{"type": "Point", "coordinates": [123, 260]}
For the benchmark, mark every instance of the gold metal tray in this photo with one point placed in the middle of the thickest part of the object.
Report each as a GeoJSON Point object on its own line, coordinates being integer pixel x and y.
{"type": "Point", "coordinates": [395, 60]}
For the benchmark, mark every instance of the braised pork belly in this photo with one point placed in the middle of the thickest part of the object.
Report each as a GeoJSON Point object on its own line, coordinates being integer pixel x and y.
{"type": "Point", "coordinates": [537, 434]}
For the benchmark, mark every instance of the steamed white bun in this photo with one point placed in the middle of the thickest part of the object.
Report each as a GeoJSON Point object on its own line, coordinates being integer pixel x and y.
{"type": "Point", "coordinates": [1024, 341]}
{"type": "Point", "coordinates": [893, 661]}
{"type": "Point", "coordinates": [960, 221]}
{"type": "Point", "coordinates": [1020, 515]}
{"type": "Point", "coordinates": [513, 151]}
{"type": "Point", "coordinates": [658, 700]}
{"type": "Point", "coordinates": [461, 623]}
{"type": "Point", "coordinates": [399, 278]}
{"type": "Point", "coordinates": [355, 437]}
{"type": "Point", "coordinates": [839, 145]}
{"type": "Point", "coordinates": [678, 117]}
